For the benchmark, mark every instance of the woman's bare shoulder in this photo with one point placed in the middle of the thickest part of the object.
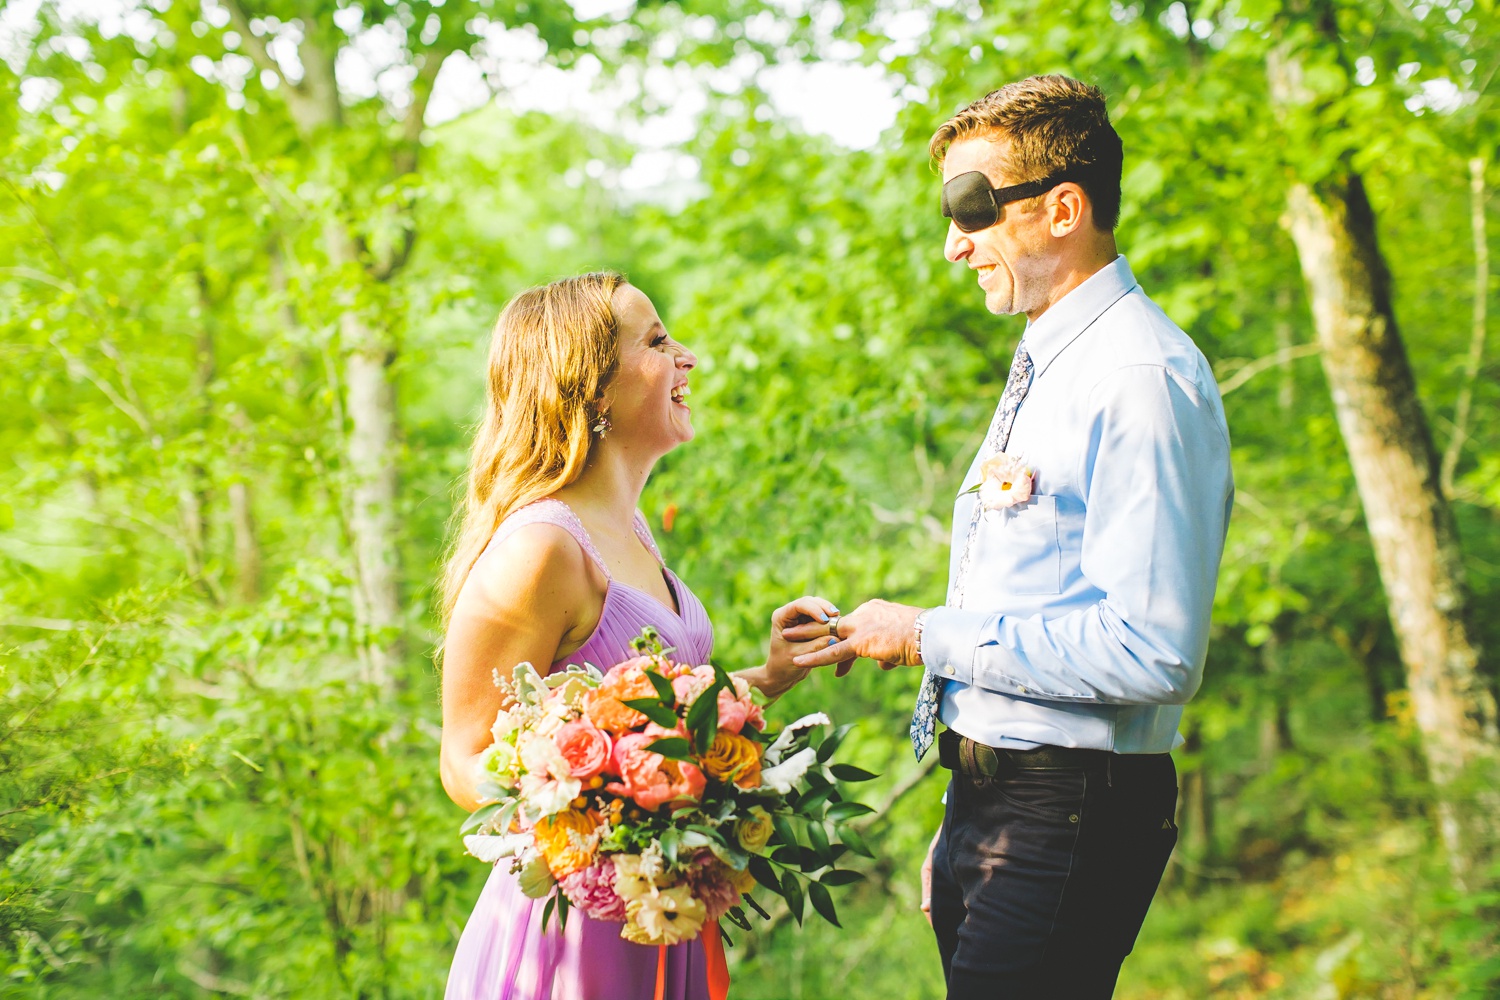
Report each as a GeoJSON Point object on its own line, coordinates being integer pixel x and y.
{"type": "Point", "coordinates": [537, 564]}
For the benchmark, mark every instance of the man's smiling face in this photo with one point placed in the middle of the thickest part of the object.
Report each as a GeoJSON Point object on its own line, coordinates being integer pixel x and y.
{"type": "Point", "coordinates": [1014, 257]}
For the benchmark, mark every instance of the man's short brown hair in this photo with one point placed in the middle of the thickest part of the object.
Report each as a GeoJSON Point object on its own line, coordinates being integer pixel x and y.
{"type": "Point", "coordinates": [1055, 124]}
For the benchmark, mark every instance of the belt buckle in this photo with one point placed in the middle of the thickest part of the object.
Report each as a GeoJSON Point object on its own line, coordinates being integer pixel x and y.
{"type": "Point", "coordinates": [978, 760]}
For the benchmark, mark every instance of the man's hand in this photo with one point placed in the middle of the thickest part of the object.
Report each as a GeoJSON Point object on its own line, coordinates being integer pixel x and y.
{"type": "Point", "coordinates": [879, 630]}
{"type": "Point", "coordinates": [927, 878]}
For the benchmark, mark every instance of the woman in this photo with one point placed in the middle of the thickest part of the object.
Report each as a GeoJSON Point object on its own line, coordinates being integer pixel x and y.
{"type": "Point", "coordinates": [554, 565]}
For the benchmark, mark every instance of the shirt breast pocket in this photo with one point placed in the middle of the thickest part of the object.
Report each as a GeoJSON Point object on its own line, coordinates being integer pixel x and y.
{"type": "Point", "coordinates": [1019, 551]}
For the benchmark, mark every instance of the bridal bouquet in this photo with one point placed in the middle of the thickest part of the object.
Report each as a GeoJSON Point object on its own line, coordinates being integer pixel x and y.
{"type": "Point", "coordinates": [654, 797]}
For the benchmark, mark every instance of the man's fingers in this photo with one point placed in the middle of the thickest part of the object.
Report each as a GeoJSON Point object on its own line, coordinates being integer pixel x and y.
{"type": "Point", "coordinates": [888, 665]}
{"type": "Point", "coordinates": [806, 631]}
{"type": "Point", "coordinates": [843, 668]}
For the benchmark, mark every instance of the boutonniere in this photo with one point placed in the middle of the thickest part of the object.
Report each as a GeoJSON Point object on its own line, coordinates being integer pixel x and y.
{"type": "Point", "coordinates": [1004, 481]}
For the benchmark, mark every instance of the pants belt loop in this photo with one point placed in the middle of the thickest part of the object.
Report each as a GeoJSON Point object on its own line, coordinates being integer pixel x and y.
{"type": "Point", "coordinates": [1109, 771]}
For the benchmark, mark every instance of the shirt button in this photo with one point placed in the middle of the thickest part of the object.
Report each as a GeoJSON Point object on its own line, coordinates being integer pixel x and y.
{"type": "Point", "coordinates": [948, 670]}
{"type": "Point", "coordinates": [1024, 691]}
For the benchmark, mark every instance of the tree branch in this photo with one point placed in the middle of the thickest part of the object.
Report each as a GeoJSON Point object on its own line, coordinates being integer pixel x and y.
{"type": "Point", "coordinates": [1253, 368]}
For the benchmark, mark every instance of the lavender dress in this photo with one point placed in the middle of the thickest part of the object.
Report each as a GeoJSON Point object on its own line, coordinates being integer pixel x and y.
{"type": "Point", "coordinates": [503, 953]}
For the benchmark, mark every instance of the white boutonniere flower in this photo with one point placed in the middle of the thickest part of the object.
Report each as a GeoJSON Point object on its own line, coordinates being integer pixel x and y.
{"type": "Point", "coordinates": [1004, 481]}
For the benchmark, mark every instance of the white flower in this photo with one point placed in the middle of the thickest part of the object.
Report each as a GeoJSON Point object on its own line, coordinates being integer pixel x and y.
{"type": "Point", "coordinates": [784, 776]}
{"type": "Point", "coordinates": [667, 916]}
{"type": "Point", "coordinates": [543, 759]}
{"type": "Point", "coordinates": [505, 724]}
{"type": "Point", "coordinates": [630, 881]}
{"type": "Point", "coordinates": [544, 796]}
{"type": "Point", "coordinates": [784, 740]}
{"type": "Point", "coordinates": [1005, 482]}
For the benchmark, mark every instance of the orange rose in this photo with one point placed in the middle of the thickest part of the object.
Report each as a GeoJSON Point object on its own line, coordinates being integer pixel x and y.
{"type": "Point", "coordinates": [627, 681]}
{"type": "Point", "coordinates": [567, 841]}
{"type": "Point", "coordinates": [732, 754]}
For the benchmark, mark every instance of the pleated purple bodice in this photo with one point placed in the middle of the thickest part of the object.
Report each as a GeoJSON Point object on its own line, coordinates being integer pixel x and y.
{"type": "Point", "coordinates": [503, 953]}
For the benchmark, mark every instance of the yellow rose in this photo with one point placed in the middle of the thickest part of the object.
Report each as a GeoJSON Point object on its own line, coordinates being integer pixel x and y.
{"type": "Point", "coordinates": [732, 754]}
{"type": "Point", "coordinates": [754, 830]}
{"type": "Point", "coordinates": [743, 881]}
{"type": "Point", "coordinates": [567, 840]}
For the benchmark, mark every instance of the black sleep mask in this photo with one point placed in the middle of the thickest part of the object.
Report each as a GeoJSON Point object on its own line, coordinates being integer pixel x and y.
{"type": "Point", "coordinates": [973, 204]}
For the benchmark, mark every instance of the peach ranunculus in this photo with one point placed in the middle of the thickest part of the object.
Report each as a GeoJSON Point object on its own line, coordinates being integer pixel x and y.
{"type": "Point", "coordinates": [568, 841]}
{"type": "Point", "coordinates": [585, 746]}
{"type": "Point", "coordinates": [1005, 481]}
{"type": "Point", "coordinates": [651, 780]}
{"type": "Point", "coordinates": [733, 758]}
{"type": "Point", "coordinates": [625, 682]}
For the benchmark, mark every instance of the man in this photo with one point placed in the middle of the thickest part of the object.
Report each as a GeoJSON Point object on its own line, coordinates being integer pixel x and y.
{"type": "Point", "coordinates": [1082, 572]}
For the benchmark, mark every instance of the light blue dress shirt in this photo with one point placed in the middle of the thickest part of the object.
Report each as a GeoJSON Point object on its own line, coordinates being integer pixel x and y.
{"type": "Point", "coordinates": [1085, 615]}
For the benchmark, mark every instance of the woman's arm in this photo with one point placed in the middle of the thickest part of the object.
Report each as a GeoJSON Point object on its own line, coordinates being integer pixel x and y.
{"type": "Point", "coordinates": [779, 675]}
{"type": "Point", "coordinates": [523, 600]}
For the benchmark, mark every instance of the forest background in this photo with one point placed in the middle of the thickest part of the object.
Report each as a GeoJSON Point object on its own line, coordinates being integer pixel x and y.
{"type": "Point", "coordinates": [246, 283]}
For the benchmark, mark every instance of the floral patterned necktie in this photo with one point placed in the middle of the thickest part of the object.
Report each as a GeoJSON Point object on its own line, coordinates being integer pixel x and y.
{"type": "Point", "coordinates": [924, 719]}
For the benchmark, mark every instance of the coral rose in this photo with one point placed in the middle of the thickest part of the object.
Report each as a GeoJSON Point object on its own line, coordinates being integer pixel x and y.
{"type": "Point", "coordinates": [567, 841]}
{"type": "Point", "coordinates": [733, 758]}
{"type": "Point", "coordinates": [649, 779]}
{"type": "Point", "coordinates": [585, 747]}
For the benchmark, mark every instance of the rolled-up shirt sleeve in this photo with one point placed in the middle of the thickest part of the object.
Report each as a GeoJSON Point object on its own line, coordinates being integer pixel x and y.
{"type": "Point", "coordinates": [1157, 494]}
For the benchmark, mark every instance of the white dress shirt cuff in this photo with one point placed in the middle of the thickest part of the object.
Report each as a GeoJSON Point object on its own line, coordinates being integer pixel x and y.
{"type": "Point", "coordinates": [949, 640]}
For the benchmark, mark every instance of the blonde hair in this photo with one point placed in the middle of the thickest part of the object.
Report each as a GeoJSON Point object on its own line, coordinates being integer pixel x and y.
{"type": "Point", "coordinates": [552, 354]}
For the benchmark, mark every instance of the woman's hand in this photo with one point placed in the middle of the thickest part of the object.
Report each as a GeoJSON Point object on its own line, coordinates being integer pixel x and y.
{"type": "Point", "coordinates": [780, 674]}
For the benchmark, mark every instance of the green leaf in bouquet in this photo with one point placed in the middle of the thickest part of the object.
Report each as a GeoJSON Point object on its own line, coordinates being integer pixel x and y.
{"type": "Point", "coordinates": [848, 772]}
{"type": "Point", "coordinates": [738, 916]}
{"type": "Point", "coordinates": [547, 910]}
{"type": "Point", "coordinates": [823, 903]}
{"type": "Point", "coordinates": [815, 779]}
{"type": "Point", "coordinates": [829, 745]}
{"type": "Point", "coordinates": [788, 854]}
{"type": "Point", "coordinates": [818, 837]}
{"type": "Point", "coordinates": [673, 747]}
{"type": "Point", "coordinates": [841, 811]}
{"type": "Point", "coordinates": [670, 841]}
{"type": "Point", "coordinates": [723, 848]}
{"type": "Point", "coordinates": [751, 902]}
{"type": "Point", "coordinates": [722, 678]}
{"type": "Point", "coordinates": [703, 717]}
{"type": "Point", "coordinates": [855, 841]}
{"type": "Point", "coordinates": [807, 804]}
{"type": "Point", "coordinates": [489, 788]}
{"type": "Point", "coordinates": [654, 710]}
{"type": "Point", "coordinates": [763, 873]}
{"type": "Point", "coordinates": [649, 643]}
{"type": "Point", "coordinates": [479, 816]}
{"type": "Point", "coordinates": [562, 911]}
{"type": "Point", "coordinates": [841, 876]}
{"type": "Point", "coordinates": [693, 839]}
{"type": "Point", "coordinates": [792, 893]}
{"type": "Point", "coordinates": [784, 828]}
{"type": "Point", "coordinates": [809, 860]}
{"type": "Point", "coordinates": [663, 688]}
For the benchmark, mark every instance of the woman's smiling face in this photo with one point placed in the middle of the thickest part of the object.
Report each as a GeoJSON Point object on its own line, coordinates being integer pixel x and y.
{"type": "Point", "coordinates": [647, 404]}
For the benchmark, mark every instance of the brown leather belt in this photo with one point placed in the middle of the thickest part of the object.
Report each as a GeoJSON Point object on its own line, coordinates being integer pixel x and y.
{"type": "Point", "coordinates": [976, 760]}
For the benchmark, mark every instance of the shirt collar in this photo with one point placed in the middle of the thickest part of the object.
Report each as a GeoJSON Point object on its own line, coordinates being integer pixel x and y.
{"type": "Point", "coordinates": [1075, 312]}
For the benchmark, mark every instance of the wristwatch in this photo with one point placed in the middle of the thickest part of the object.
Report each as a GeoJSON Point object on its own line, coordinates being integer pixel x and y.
{"type": "Point", "coordinates": [917, 626]}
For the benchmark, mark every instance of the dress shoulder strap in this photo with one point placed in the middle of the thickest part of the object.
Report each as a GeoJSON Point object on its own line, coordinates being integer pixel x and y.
{"type": "Point", "coordinates": [551, 511]}
{"type": "Point", "coordinates": [643, 532]}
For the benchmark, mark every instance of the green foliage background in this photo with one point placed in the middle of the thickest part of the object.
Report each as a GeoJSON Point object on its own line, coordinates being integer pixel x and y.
{"type": "Point", "coordinates": [200, 795]}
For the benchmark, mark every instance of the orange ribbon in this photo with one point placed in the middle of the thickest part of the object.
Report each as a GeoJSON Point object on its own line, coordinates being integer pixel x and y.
{"type": "Point", "coordinates": [713, 954]}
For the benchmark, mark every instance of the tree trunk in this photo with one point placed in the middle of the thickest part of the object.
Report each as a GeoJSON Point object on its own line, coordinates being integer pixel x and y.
{"type": "Point", "coordinates": [1396, 471]}
{"type": "Point", "coordinates": [371, 453]}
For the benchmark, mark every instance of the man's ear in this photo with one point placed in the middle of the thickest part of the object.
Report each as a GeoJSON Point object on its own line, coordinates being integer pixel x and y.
{"type": "Point", "coordinates": [1069, 209]}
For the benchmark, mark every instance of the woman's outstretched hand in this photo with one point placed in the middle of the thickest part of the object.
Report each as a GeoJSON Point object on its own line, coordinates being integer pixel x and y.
{"type": "Point", "coordinates": [780, 674]}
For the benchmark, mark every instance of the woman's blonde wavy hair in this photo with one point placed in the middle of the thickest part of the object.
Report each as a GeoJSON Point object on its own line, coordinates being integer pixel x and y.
{"type": "Point", "coordinates": [553, 352]}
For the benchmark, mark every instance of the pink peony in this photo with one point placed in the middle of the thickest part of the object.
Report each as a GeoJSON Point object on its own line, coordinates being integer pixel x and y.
{"type": "Point", "coordinates": [592, 890]}
{"type": "Point", "coordinates": [649, 778]}
{"type": "Point", "coordinates": [710, 885]}
{"type": "Point", "coordinates": [585, 747]}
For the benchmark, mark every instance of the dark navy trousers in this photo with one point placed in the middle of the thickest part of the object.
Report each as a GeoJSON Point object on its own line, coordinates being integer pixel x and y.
{"type": "Point", "coordinates": [1041, 878]}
